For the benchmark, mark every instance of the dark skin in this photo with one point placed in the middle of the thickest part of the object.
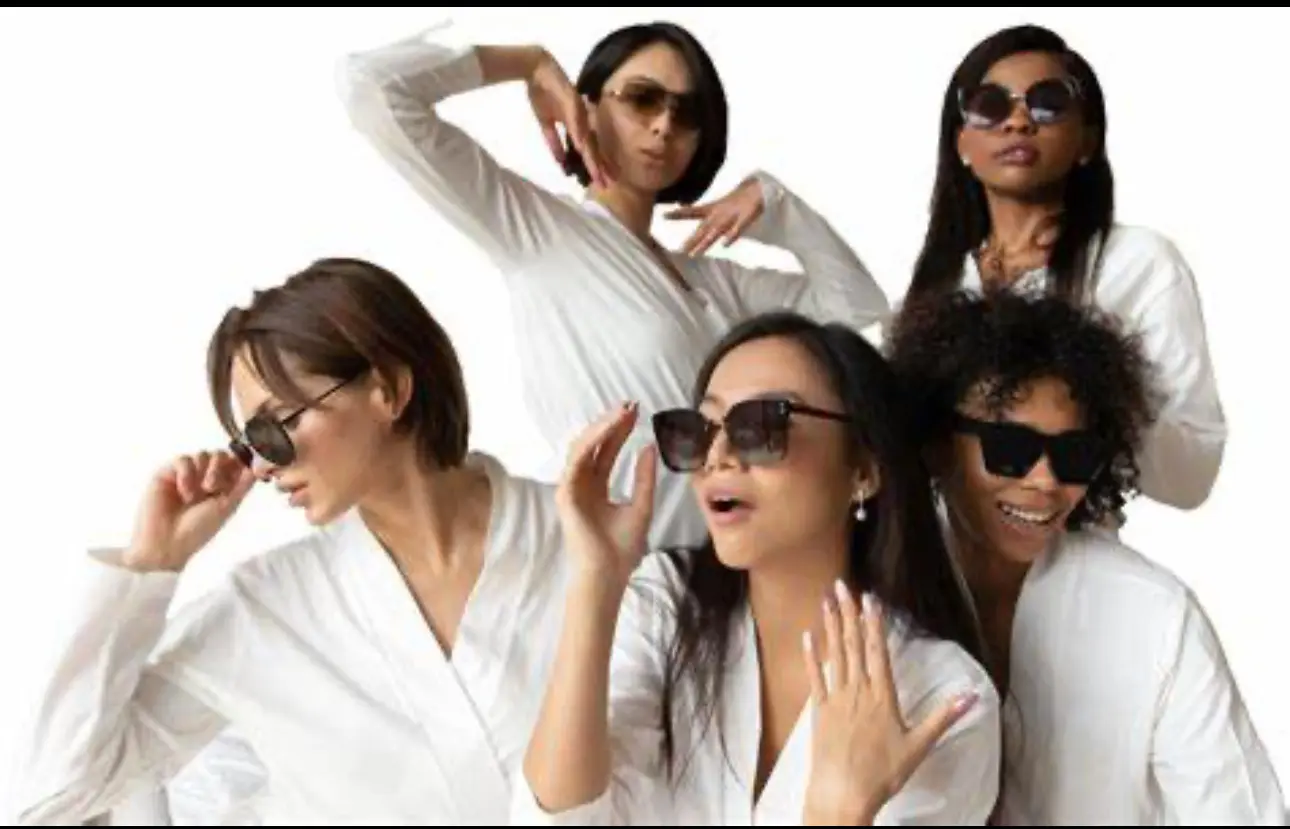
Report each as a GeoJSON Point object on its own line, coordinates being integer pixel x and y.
{"type": "Point", "coordinates": [1024, 196]}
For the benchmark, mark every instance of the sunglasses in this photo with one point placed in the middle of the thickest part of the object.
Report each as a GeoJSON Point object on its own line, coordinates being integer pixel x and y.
{"type": "Point", "coordinates": [1011, 450]}
{"type": "Point", "coordinates": [988, 105]}
{"type": "Point", "coordinates": [266, 435]}
{"type": "Point", "coordinates": [757, 431]}
{"type": "Point", "coordinates": [648, 100]}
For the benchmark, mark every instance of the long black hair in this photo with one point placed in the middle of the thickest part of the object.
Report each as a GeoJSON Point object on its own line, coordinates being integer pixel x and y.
{"type": "Point", "coordinates": [898, 552]}
{"type": "Point", "coordinates": [612, 51]}
{"type": "Point", "coordinates": [960, 218]}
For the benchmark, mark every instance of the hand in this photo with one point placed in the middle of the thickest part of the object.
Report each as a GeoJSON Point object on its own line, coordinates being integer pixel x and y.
{"type": "Point", "coordinates": [556, 101]}
{"type": "Point", "coordinates": [862, 751]}
{"type": "Point", "coordinates": [607, 539]}
{"type": "Point", "coordinates": [727, 218]}
{"type": "Point", "coordinates": [186, 503]}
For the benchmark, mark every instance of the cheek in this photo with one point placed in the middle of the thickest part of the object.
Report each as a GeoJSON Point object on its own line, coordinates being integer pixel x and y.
{"type": "Point", "coordinates": [812, 480]}
{"type": "Point", "coordinates": [332, 449]}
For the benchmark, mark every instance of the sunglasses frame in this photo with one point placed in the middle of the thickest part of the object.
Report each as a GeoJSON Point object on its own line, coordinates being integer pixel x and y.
{"type": "Point", "coordinates": [981, 429]}
{"type": "Point", "coordinates": [1015, 98]}
{"type": "Point", "coordinates": [686, 113]}
{"type": "Point", "coordinates": [244, 449]}
{"type": "Point", "coordinates": [777, 413]}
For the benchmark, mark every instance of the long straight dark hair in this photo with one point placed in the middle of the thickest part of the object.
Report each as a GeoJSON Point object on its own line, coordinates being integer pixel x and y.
{"type": "Point", "coordinates": [960, 218]}
{"type": "Point", "coordinates": [898, 552]}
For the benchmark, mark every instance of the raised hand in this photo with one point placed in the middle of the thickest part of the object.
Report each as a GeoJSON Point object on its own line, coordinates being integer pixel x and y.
{"type": "Point", "coordinates": [726, 218]}
{"type": "Point", "coordinates": [862, 751]}
{"type": "Point", "coordinates": [605, 538]}
{"type": "Point", "coordinates": [185, 505]}
{"type": "Point", "coordinates": [556, 103]}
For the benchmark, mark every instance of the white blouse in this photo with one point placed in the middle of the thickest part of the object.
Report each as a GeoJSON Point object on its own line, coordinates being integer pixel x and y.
{"type": "Point", "coordinates": [1122, 709]}
{"type": "Point", "coordinates": [1143, 280]}
{"type": "Point", "coordinates": [956, 785]}
{"type": "Point", "coordinates": [598, 319]}
{"type": "Point", "coordinates": [318, 654]}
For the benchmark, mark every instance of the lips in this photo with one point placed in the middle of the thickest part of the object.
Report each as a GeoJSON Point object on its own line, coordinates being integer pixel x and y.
{"type": "Point", "coordinates": [725, 505]}
{"type": "Point", "coordinates": [1020, 154]}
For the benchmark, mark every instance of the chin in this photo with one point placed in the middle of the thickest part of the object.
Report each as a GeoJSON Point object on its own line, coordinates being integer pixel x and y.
{"type": "Point", "coordinates": [736, 551]}
{"type": "Point", "coordinates": [321, 513]}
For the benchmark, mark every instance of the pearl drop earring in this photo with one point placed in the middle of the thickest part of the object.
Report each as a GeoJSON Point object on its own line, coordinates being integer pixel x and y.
{"type": "Point", "coordinates": [860, 511]}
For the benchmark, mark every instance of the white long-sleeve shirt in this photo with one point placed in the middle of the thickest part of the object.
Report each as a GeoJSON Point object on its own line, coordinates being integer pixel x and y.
{"type": "Point", "coordinates": [1143, 280]}
{"type": "Point", "coordinates": [1122, 710]}
{"type": "Point", "coordinates": [318, 655]}
{"type": "Point", "coordinates": [956, 786]}
{"type": "Point", "coordinates": [597, 318]}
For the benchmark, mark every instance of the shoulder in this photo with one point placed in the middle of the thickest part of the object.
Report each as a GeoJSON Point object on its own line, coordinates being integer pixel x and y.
{"type": "Point", "coordinates": [928, 670]}
{"type": "Point", "coordinates": [1143, 261]}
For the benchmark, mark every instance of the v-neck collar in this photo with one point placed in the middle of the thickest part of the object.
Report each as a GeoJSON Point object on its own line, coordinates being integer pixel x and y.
{"type": "Point", "coordinates": [690, 290]}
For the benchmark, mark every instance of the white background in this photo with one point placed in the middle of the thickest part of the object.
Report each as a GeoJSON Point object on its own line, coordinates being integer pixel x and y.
{"type": "Point", "coordinates": [157, 166]}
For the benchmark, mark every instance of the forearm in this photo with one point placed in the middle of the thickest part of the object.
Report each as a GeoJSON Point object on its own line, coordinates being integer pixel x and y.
{"type": "Point", "coordinates": [502, 64]}
{"type": "Point", "coordinates": [568, 760]}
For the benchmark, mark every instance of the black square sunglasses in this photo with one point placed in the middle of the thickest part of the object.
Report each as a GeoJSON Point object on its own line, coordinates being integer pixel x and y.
{"type": "Point", "coordinates": [1011, 450]}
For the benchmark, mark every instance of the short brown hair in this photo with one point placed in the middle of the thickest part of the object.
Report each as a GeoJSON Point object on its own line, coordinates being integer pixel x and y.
{"type": "Point", "coordinates": [338, 318]}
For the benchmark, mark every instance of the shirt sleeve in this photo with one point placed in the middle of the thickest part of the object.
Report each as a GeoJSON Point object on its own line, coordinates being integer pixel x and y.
{"type": "Point", "coordinates": [220, 787]}
{"type": "Point", "coordinates": [833, 285]}
{"type": "Point", "coordinates": [1211, 767]}
{"type": "Point", "coordinates": [111, 724]}
{"type": "Point", "coordinates": [1183, 452]}
{"type": "Point", "coordinates": [390, 95]}
{"type": "Point", "coordinates": [637, 790]}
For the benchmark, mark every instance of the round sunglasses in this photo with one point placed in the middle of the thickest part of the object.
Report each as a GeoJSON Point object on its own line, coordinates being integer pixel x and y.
{"type": "Point", "coordinates": [988, 105]}
{"type": "Point", "coordinates": [266, 435]}
{"type": "Point", "coordinates": [757, 431]}
{"type": "Point", "coordinates": [1011, 450]}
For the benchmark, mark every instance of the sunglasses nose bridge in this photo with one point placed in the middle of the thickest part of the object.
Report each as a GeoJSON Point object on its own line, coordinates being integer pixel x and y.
{"type": "Point", "coordinates": [1041, 476]}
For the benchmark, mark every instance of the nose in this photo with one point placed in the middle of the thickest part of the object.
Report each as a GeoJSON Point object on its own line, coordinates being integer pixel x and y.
{"type": "Point", "coordinates": [663, 123]}
{"type": "Point", "coordinates": [1041, 477]}
{"type": "Point", "coordinates": [1019, 119]}
{"type": "Point", "coordinates": [720, 455]}
{"type": "Point", "coordinates": [264, 470]}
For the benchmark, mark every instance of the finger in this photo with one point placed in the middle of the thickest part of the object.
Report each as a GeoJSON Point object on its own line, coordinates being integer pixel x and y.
{"type": "Point", "coordinates": [646, 477]}
{"type": "Point", "coordinates": [814, 671]}
{"type": "Point", "coordinates": [852, 638]}
{"type": "Point", "coordinates": [924, 736]}
{"type": "Point", "coordinates": [711, 233]}
{"type": "Point", "coordinates": [611, 445]}
{"type": "Point", "coordinates": [241, 485]}
{"type": "Point", "coordinates": [737, 230]}
{"type": "Point", "coordinates": [877, 659]}
{"type": "Point", "coordinates": [187, 481]}
{"type": "Point", "coordinates": [688, 211]}
{"type": "Point", "coordinates": [833, 655]}
{"type": "Point", "coordinates": [225, 474]}
{"type": "Point", "coordinates": [583, 450]}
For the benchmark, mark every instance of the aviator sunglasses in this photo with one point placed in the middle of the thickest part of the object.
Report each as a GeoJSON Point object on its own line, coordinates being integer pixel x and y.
{"type": "Point", "coordinates": [648, 100]}
{"type": "Point", "coordinates": [266, 435]}
{"type": "Point", "coordinates": [1011, 450]}
{"type": "Point", "coordinates": [757, 431]}
{"type": "Point", "coordinates": [988, 105]}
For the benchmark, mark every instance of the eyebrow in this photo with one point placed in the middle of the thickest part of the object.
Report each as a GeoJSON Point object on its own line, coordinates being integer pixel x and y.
{"type": "Point", "coordinates": [780, 394]}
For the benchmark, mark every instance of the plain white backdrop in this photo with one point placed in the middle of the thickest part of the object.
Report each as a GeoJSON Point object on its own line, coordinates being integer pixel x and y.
{"type": "Point", "coordinates": [156, 166]}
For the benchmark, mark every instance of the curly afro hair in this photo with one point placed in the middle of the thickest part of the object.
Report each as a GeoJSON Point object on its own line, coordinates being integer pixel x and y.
{"type": "Point", "coordinates": [949, 347]}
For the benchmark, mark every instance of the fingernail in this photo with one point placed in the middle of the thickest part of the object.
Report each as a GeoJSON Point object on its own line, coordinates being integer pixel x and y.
{"type": "Point", "coordinates": [868, 603]}
{"type": "Point", "coordinates": [806, 640]}
{"type": "Point", "coordinates": [841, 589]}
{"type": "Point", "coordinates": [966, 701]}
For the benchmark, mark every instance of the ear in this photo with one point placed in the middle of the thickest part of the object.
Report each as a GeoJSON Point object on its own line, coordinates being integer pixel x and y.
{"type": "Point", "coordinates": [961, 147]}
{"type": "Point", "coordinates": [868, 480]}
{"type": "Point", "coordinates": [391, 392]}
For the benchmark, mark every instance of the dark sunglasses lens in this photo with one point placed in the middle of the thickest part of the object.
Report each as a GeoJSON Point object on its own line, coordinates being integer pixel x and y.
{"type": "Point", "coordinates": [270, 441]}
{"type": "Point", "coordinates": [647, 99]}
{"type": "Point", "coordinates": [683, 438]}
{"type": "Point", "coordinates": [1009, 451]}
{"type": "Point", "coordinates": [758, 430]}
{"type": "Point", "coordinates": [1048, 101]}
{"type": "Point", "coordinates": [987, 105]}
{"type": "Point", "coordinates": [1076, 458]}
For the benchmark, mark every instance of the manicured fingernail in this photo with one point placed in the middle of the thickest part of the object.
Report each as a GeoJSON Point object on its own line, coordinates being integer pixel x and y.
{"type": "Point", "coordinates": [965, 701]}
{"type": "Point", "coordinates": [806, 640]}
{"type": "Point", "coordinates": [841, 589]}
{"type": "Point", "coordinates": [868, 603]}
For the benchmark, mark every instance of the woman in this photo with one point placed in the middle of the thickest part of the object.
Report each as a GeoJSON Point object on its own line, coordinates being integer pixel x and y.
{"type": "Point", "coordinates": [697, 697]}
{"type": "Point", "coordinates": [1024, 200]}
{"type": "Point", "coordinates": [604, 313]}
{"type": "Point", "coordinates": [380, 667]}
{"type": "Point", "coordinates": [1120, 709]}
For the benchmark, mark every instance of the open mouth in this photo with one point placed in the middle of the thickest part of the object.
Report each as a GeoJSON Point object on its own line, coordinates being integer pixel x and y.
{"type": "Point", "coordinates": [1028, 517]}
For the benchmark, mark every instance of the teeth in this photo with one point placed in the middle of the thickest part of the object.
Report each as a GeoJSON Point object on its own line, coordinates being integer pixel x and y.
{"type": "Point", "coordinates": [1037, 518]}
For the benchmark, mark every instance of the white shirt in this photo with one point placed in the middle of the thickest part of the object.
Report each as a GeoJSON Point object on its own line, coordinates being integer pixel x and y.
{"type": "Point", "coordinates": [598, 319]}
{"type": "Point", "coordinates": [1143, 280]}
{"type": "Point", "coordinates": [318, 654]}
{"type": "Point", "coordinates": [956, 785]}
{"type": "Point", "coordinates": [1122, 709]}
{"type": "Point", "coordinates": [225, 785]}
